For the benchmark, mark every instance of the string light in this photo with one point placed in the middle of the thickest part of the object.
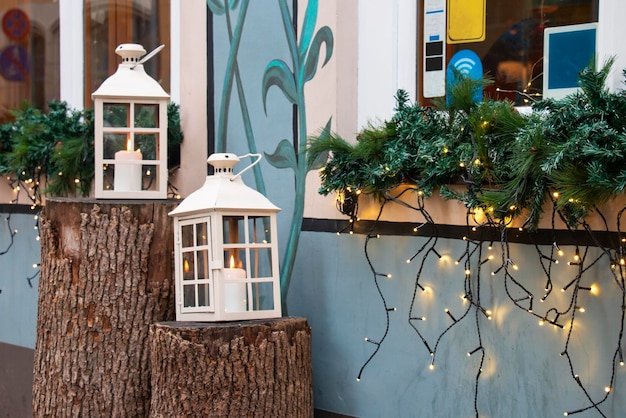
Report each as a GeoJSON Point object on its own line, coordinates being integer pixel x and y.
{"type": "Point", "coordinates": [472, 260]}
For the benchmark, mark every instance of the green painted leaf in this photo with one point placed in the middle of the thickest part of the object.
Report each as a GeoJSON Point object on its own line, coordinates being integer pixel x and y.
{"type": "Point", "coordinates": [323, 36]}
{"type": "Point", "coordinates": [284, 156]}
{"type": "Point", "coordinates": [322, 158]}
{"type": "Point", "coordinates": [277, 73]}
{"type": "Point", "coordinates": [216, 7]}
{"type": "Point", "coordinates": [308, 26]}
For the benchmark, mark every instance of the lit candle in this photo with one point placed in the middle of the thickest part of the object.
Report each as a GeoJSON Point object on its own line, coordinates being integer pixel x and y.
{"type": "Point", "coordinates": [127, 175]}
{"type": "Point", "coordinates": [234, 292]}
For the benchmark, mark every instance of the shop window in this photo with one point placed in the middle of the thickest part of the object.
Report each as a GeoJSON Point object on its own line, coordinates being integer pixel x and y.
{"type": "Point", "coordinates": [109, 23]}
{"type": "Point", "coordinates": [29, 54]}
{"type": "Point", "coordinates": [510, 43]}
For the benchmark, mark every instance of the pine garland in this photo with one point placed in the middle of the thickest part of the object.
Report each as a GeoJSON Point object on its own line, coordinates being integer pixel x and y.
{"type": "Point", "coordinates": [571, 150]}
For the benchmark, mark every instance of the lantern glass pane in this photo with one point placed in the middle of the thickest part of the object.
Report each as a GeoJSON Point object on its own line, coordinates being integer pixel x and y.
{"type": "Point", "coordinates": [203, 264]}
{"type": "Point", "coordinates": [150, 173]}
{"type": "Point", "coordinates": [115, 115]}
{"type": "Point", "coordinates": [112, 144]}
{"type": "Point", "coordinates": [260, 262]}
{"type": "Point", "coordinates": [146, 115]}
{"type": "Point", "coordinates": [148, 144]}
{"type": "Point", "coordinates": [186, 232]}
{"type": "Point", "coordinates": [203, 295]}
{"type": "Point", "coordinates": [235, 258]}
{"type": "Point", "coordinates": [259, 228]}
{"type": "Point", "coordinates": [262, 296]}
{"type": "Point", "coordinates": [201, 234]}
{"type": "Point", "coordinates": [189, 296]}
{"type": "Point", "coordinates": [235, 297]}
{"type": "Point", "coordinates": [188, 266]}
{"type": "Point", "coordinates": [233, 229]}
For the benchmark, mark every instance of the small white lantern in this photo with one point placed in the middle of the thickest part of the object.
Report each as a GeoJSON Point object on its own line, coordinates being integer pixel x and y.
{"type": "Point", "coordinates": [130, 113]}
{"type": "Point", "coordinates": [226, 252]}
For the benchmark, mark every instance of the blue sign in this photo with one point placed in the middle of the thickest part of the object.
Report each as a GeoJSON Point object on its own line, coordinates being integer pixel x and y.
{"type": "Point", "coordinates": [14, 63]}
{"type": "Point", "coordinates": [467, 63]}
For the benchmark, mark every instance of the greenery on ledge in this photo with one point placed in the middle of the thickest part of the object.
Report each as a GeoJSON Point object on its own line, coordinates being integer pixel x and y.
{"type": "Point", "coordinates": [53, 153]}
{"type": "Point", "coordinates": [572, 151]}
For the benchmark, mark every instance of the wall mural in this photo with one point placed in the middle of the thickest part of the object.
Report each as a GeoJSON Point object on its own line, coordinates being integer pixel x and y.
{"type": "Point", "coordinates": [290, 78]}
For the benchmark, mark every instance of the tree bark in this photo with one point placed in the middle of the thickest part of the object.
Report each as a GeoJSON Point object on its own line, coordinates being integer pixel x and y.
{"type": "Point", "coordinates": [106, 276]}
{"type": "Point", "coordinates": [258, 368]}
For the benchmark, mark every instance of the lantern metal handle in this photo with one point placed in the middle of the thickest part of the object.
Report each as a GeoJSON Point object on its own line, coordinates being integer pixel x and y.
{"type": "Point", "coordinates": [258, 158]}
{"type": "Point", "coordinates": [150, 55]}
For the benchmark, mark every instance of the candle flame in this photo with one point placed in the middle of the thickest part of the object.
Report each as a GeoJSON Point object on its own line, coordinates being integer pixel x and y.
{"type": "Point", "coordinates": [186, 266]}
{"type": "Point", "coordinates": [128, 145]}
{"type": "Point", "coordinates": [232, 262]}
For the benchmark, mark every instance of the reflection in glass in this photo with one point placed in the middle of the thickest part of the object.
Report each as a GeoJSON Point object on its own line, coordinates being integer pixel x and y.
{"type": "Point", "coordinates": [203, 264]}
{"type": "Point", "coordinates": [147, 115]}
{"type": "Point", "coordinates": [187, 236]}
{"type": "Point", "coordinates": [233, 229]}
{"type": "Point", "coordinates": [262, 296]}
{"type": "Point", "coordinates": [259, 227]}
{"type": "Point", "coordinates": [203, 295]}
{"type": "Point", "coordinates": [188, 266]}
{"type": "Point", "coordinates": [512, 53]}
{"type": "Point", "coordinates": [201, 234]}
{"type": "Point", "coordinates": [148, 144]}
{"type": "Point", "coordinates": [115, 115]}
{"type": "Point", "coordinates": [150, 177]}
{"type": "Point", "coordinates": [260, 262]}
{"type": "Point", "coordinates": [189, 297]}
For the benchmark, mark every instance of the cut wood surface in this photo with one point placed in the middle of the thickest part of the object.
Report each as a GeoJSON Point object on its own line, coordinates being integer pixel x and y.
{"type": "Point", "coordinates": [259, 368]}
{"type": "Point", "coordinates": [106, 276]}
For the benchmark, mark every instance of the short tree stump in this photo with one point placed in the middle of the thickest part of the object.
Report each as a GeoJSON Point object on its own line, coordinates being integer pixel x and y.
{"type": "Point", "coordinates": [259, 368]}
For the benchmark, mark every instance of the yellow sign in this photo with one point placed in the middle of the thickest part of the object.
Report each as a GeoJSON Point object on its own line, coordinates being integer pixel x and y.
{"type": "Point", "coordinates": [466, 21]}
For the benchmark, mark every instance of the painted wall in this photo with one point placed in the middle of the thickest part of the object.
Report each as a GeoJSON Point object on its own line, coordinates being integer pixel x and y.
{"type": "Point", "coordinates": [19, 261]}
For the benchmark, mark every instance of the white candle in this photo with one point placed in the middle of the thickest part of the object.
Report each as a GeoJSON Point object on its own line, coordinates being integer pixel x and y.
{"type": "Point", "coordinates": [127, 176]}
{"type": "Point", "coordinates": [234, 292]}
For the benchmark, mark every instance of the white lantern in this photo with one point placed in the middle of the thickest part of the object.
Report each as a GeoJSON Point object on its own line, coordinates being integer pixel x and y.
{"type": "Point", "coordinates": [226, 252]}
{"type": "Point", "coordinates": [130, 116]}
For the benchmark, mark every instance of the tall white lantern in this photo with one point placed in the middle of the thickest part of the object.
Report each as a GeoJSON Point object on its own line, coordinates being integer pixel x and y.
{"type": "Point", "coordinates": [130, 116]}
{"type": "Point", "coordinates": [226, 251]}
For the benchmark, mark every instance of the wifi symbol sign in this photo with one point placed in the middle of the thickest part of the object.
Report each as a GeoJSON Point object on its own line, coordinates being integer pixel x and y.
{"type": "Point", "coordinates": [467, 63]}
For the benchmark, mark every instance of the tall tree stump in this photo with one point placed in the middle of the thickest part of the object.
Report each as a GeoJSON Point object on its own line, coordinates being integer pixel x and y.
{"type": "Point", "coordinates": [106, 276]}
{"type": "Point", "coordinates": [259, 368]}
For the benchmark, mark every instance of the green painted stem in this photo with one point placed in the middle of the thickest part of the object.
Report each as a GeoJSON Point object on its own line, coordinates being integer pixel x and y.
{"type": "Point", "coordinates": [222, 127]}
{"type": "Point", "coordinates": [258, 176]}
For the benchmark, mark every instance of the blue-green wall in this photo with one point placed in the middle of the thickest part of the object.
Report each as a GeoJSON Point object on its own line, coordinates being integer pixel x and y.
{"type": "Point", "coordinates": [18, 300]}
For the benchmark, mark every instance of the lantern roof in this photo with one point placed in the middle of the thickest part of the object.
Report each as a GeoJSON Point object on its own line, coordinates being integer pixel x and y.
{"type": "Point", "coordinates": [224, 191]}
{"type": "Point", "coordinates": [130, 79]}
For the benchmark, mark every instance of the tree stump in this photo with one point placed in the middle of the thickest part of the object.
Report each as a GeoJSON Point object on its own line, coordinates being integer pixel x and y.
{"type": "Point", "coordinates": [106, 276]}
{"type": "Point", "coordinates": [259, 368]}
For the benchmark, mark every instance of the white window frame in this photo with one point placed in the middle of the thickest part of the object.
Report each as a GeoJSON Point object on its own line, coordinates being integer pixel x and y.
{"type": "Point", "coordinates": [72, 40]}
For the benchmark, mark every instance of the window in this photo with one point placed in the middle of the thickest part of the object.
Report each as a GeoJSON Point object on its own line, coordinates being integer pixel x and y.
{"type": "Point", "coordinates": [29, 54]}
{"type": "Point", "coordinates": [109, 23]}
{"type": "Point", "coordinates": [512, 49]}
